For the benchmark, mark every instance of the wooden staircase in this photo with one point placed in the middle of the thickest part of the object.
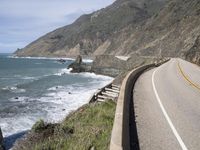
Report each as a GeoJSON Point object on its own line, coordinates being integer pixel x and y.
{"type": "Point", "coordinates": [109, 92]}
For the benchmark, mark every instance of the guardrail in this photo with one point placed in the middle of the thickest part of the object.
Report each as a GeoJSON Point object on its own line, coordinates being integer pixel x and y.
{"type": "Point", "coordinates": [120, 138]}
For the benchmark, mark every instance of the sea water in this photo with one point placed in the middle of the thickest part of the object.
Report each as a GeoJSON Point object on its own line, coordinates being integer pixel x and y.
{"type": "Point", "coordinates": [33, 89]}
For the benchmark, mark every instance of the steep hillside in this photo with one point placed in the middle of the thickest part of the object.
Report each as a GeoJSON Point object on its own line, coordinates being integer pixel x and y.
{"type": "Point", "coordinates": [171, 32]}
{"type": "Point", "coordinates": [92, 34]}
{"type": "Point", "coordinates": [128, 27]}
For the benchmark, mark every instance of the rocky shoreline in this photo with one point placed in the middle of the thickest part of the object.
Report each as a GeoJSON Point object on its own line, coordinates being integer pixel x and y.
{"type": "Point", "coordinates": [110, 65]}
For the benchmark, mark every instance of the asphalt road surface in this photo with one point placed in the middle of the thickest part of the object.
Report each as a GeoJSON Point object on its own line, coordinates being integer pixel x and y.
{"type": "Point", "coordinates": [167, 107]}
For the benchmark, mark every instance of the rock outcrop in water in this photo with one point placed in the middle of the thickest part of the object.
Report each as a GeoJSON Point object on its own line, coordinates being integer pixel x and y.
{"type": "Point", "coordinates": [1, 140]}
{"type": "Point", "coordinates": [78, 66]}
{"type": "Point", "coordinates": [103, 64]}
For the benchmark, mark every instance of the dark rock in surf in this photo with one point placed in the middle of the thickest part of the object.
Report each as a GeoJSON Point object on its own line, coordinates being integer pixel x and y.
{"type": "Point", "coordinates": [1, 140]}
{"type": "Point", "coordinates": [78, 66]}
{"type": "Point", "coordinates": [61, 61]}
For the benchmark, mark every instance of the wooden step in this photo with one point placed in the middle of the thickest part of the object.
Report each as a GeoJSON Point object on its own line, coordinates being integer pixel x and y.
{"type": "Point", "coordinates": [105, 97]}
{"type": "Point", "coordinates": [113, 85]}
{"type": "Point", "coordinates": [100, 100]}
{"type": "Point", "coordinates": [115, 91]}
{"type": "Point", "coordinates": [109, 94]}
{"type": "Point", "coordinates": [112, 93]}
{"type": "Point", "coordinates": [114, 88]}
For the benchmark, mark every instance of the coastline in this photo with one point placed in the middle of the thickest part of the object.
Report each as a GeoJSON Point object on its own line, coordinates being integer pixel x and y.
{"type": "Point", "coordinates": [118, 79]}
{"type": "Point", "coordinates": [89, 127]}
{"type": "Point", "coordinates": [86, 60]}
{"type": "Point", "coordinates": [14, 141]}
{"type": "Point", "coordinates": [16, 136]}
{"type": "Point", "coordinates": [10, 140]}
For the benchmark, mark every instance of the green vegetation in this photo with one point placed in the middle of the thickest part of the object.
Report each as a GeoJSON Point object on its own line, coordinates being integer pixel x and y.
{"type": "Point", "coordinates": [38, 126]}
{"type": "Point", "coordinates": [89, 127]}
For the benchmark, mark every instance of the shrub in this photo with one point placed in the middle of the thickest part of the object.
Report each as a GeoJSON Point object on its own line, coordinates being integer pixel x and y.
{"type": "Point", "coordinates": [39, 126]}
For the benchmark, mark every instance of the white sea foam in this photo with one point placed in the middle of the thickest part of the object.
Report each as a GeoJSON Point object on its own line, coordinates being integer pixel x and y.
{"type": "Point", "coordinates": [48, 58]}
{"type": "Point", "coordinates": [19, 99]}
{"type": "Point", "coordinates": [17, 76]}
{"type": "Point", "coordinates": [28, 78]}
{"type": "Point", "coordinates": [52, 58]}
{"type": "Point", "coordinates": [63, 71]}
{"type": "Point", "coordinates": [54, 105]}
{"type": "Point", "coordinates": [67, 100]}
{"type": "Point", "coordinates": [70, 98]}
{"type": "Point", "coordinates": [10, 126]}
{"type": "Point", "coordinates": [95, 76]}
{"type": "Point", "coordinates": [24, 77]}
{"type": "Point", "coordinates": [55, 88]}
{"type": "Point", "coordinates": [14, 89]}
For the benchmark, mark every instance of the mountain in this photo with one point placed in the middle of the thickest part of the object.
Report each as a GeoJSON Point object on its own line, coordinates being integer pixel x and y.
{"type": "Point", "coordinates": [127, 27]}
{"type": "Point", "coordinates": [92, 34]}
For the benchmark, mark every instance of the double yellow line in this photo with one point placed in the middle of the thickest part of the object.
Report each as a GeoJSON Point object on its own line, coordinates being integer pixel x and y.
{"type": "Point", "coordinates": [187, 78]}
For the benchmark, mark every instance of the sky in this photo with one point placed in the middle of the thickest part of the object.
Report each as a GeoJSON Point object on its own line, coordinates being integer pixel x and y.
{"type": "Point", "coordinates": [23, 21]}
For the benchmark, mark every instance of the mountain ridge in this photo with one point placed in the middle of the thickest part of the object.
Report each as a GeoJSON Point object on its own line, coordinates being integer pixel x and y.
{"type": "Point", "coordinates": [165, 28]}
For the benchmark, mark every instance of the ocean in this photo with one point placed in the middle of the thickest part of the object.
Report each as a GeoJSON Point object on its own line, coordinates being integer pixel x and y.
{"type": "Point", "coordinates": [39, 88]}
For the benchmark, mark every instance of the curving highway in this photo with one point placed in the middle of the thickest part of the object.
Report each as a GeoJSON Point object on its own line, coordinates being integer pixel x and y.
{"type": "Point", "coordinates": [167, 107]}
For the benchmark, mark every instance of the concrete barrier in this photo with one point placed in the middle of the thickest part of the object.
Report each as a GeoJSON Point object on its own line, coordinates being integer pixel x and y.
{"type": "Point", "coordinates": [120, 138]}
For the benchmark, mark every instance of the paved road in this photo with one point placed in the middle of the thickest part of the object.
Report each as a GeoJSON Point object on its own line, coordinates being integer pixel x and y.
{"type": "Point", "coordinates": [167, 107]}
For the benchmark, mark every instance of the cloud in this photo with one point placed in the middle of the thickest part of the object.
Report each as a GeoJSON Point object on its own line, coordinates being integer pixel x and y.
{"type": "Point", "coordinates": [23, 21]}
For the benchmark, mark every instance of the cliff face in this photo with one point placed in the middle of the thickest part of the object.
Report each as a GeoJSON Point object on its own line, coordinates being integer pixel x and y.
{"type": "Point", "coordinates": [193, 54]}
{"type": "Point", "coordinates": [127, 27]}
{"type": "Point", "coordinates": [171, 32]}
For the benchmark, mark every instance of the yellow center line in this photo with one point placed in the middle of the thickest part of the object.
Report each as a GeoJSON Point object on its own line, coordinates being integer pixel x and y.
{"type": "Point", "coordinates": [187, 78]}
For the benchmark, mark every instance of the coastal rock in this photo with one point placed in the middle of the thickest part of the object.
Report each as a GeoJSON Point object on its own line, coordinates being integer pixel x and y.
{"type": "Point", "coordinates": [78, 59]}
{"type": "Point", "coordinates": [1, 140]}
{"type": "Point", "coordinates": [104, 64]}
{"type": "Point", "coordinates": [108, 65]}
{"type": "Point", "coordinates": [78, 66]}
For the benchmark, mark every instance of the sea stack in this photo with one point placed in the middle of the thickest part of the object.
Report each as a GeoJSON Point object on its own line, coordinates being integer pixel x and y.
{"type": "Point", "coordinates": [1, 140]}
{"type": "Point", "coordinates": [78, 66]}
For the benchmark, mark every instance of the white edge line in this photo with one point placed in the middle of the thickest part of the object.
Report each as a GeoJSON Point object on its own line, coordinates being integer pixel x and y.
{"type": "Point", "coordinates": [166, 115]}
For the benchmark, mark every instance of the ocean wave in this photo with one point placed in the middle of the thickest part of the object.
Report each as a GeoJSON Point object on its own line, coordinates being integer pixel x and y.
{"type": "Point", "coordinates": [29, 78]}
{"type": "Point", "coordinates": [24, 77]}
{"type": "Point", "coordinates": [63, 71]}
{"type": "Point", "coordinates": [10, 126]}
{"type": "Point", "coordinates": [95, 76]}
{"type": "Point", "coordinates": [19, 99]}
{"type": "Point", "coordinates": [54, 104]}
{"type": "Point", "coordinates": [52, 58]}
{"type": "Point", "coordinates": [13, 89]}
{"type": "Point", "coordinates": [55, 88]}
{"type": "Point", "coordinates": [65, 101]}
{"type": "Point", "coordinates": [48, 58]}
